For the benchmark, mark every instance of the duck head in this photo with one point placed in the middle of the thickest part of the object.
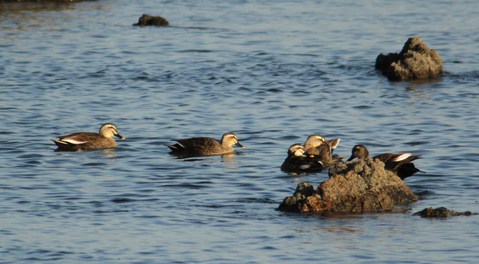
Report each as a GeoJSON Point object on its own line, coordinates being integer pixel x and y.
{"type": "Point", "coordinates": [359, 152]}
{"type": "Point", "coordinates": [296, 150]}
{"type": "Point", "coordinates": [314, 141]}
{"type": "Point", "coordinates": [109, 130]}
{"type": "Point", "coordinates": [230, 139]}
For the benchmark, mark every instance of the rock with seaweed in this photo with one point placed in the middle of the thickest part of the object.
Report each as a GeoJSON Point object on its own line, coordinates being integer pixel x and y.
{"type": "Point", "coordinates": [416, 61]}
{"type": "Point", "coordinates": [440, 212]}
{"type": "Point", "coordinates": [354, 187]}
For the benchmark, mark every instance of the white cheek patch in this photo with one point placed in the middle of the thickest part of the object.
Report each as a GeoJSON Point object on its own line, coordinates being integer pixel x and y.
{"type": "Point", "coordinates": [402, 157]}
{"type": "Point", "coordinates": [74, 142]}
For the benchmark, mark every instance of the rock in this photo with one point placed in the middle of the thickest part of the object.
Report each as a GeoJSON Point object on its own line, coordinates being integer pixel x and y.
{"type": "Point", "coordinates": [353, 187]}
{"type": "Point", "coordinates": [147, 20]}
{"type": "Point", "coordinates": [416, 61]}
{"type": "Point", "coordinates": [440, 212]}
{"type": "Point", "coordinates": [39, 1]}
{"type": "Point", "coordinates": [305, 199]}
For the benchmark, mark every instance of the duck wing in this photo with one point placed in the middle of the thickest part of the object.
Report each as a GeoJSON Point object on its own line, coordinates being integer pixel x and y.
{"type": "Point", "coordinates": [393, 161]}
{"type": "Point", "coordinates": [400, 163]}
{"type": "Point", "coordinates": [301, 165]}
{"type": "Point", "coordinates": [334, 143]}
{"type": "Point", "coordinates": [194, 146]}
{"type": "Point", "coordinates": [78, 138]}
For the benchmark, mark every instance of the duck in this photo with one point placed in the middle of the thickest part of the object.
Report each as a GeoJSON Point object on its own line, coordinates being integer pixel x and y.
{"type": "Point", "coordinates": [401, 163]}
{"type": "Point", "coordinates": [83, 141]}
{"type": "Point", "coordinates": [298, 162]}
{"type": "Point", "coordinates": [205, 146]}
{"type": "Point", "coordinates": [317, 147]}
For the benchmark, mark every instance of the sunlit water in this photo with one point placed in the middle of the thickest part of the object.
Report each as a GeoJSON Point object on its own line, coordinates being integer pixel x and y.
{"type": "Point", "coordinates": [273, 72]}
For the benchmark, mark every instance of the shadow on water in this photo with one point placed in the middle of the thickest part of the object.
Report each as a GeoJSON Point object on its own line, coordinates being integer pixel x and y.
{"type": "Point", "coordinates": [447, 76]}
{"type": "Point", "coordinates": [422, 83]}
{"type": "Point", "coordinates": [98, 153]}
{"type": "Point", "coordinates": [37, 5]}
{"type": "Point", "coordinates": [16, 16]}
{"type": "Point", "coordinates": [225, 157]}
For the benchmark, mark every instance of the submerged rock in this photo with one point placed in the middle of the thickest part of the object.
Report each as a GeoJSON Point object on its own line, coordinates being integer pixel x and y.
{"type": "Point", "coordinates": [354, 187]}
{"type": "Point", "coordinates": [440, 212]}
{"type": "Point", "coordinates": [416, 61]}
{"type": "Point", "coordinates": [147, 20]}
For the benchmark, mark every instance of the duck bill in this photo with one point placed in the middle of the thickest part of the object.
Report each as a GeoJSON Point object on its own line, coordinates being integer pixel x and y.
{"type": "Point", "coordinates": [239, 145]}
{"type": "Point", "coordinates": [120, 136]}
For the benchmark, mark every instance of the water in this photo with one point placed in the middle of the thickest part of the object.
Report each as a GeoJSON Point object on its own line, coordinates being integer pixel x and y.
{"type": "Point", "coordinates": [273, 73]}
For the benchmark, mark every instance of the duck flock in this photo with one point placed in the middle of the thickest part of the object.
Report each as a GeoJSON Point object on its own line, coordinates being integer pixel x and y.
{"type": "Point", "coordinates": [315, 155]}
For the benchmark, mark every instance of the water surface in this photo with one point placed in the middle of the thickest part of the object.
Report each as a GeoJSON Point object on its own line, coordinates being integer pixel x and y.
{"type": "Point", "coordinates": [273, 73]}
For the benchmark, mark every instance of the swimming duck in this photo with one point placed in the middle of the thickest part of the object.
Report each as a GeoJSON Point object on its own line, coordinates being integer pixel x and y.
{"type": "Point", "coordinates": [401, 163]}
{"type": "Point", "coordinates": [205, 146]}
{"type": "Point", "coordinates": [89, 140]}
{"type": "Point", "coordinates": [298, 162]}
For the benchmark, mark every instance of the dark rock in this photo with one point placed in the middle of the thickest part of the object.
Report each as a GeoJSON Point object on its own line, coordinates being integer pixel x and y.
{"type": "Point", "coordinates": [440, 212]}
{"type": "Point", "coordinates": [354, 187]}
{"type": "Point", "coordinates": [8, 6]}
{"type": "Point", "coordinates": [304, 199]}
{"type": "Point", "coordinates": [147, 20]}
{"type": "Point", "coordinates": [40, 1]}
{"type": "Point", "coordinates": [416, 61]}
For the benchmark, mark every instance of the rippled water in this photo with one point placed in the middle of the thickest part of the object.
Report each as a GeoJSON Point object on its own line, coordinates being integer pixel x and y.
{"type": "Point", "coordinates": [273, 73]}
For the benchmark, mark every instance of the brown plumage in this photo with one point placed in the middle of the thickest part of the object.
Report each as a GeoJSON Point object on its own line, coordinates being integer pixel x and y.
{"type": "Point", "coordinates": [401, 163]}
{"type": "Point", "coordinates": [320, 149]}
{"type": "Point", "coordinates": [81, 141]}
{"type": "Point", "coordinates": [205, 146]}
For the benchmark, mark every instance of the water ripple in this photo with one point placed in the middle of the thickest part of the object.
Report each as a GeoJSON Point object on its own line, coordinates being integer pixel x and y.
{"type": "Point", "coordinates": [249, 67]}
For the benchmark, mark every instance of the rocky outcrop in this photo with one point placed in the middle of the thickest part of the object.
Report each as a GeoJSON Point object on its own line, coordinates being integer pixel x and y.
{"type": "Point", "coordinates": [147, 20]}
{"type": "Point", "coordinates": [440, 212]}
{"type": "Point", "coordinates": [416, 61]}
{"type": "Point", "coordinates": [353, 187]}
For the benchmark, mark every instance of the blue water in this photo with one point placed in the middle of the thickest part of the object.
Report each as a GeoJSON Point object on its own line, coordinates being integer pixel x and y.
{"type": "Point", "coordinates": [273, 72]}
